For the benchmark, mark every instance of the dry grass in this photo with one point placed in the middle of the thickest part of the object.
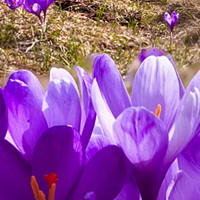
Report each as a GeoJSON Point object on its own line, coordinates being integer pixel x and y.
{"type": "Point", "coordinates": [117, 27]}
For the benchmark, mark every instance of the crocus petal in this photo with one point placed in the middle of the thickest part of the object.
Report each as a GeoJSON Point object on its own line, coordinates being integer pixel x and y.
{"type": "Point", "coordinates": [26, 119]}
{"type": "Point", "coordinates": [15, 174]}
{"type": "Point", "coordinates": [111, 84]}
{"type": "Point", "coordinates": [167, 18]}
{"type": "Point", "coordinates": [172, 171]}
{"type": "Point", "coordinates": [9, 138]}
{"type": "Point", "coordinates": [97, 128]}
{"type": "Point", "coordinates": [19, 2]}
{"type": "Point", "coordinates": [182, 188]}
{"type": "Point", "coordinates": [144, 139]}
{"type": "Point", "coordinates": [105, 117]}
{"type": "Point", "coordinates": [36, 9]}
{"type": "Point", "coordinates": [153, 52]}
{"type": "Point", "coordinates": [28, 5]}
{"type": "Point", "coordinates": [130, 191]}
{"type": "Point", "coordinates": [32, 82]}
{"type": "Point", "coordinates": [189, 160]}
{"type": "Point", "coordinates": [185, 124]}
{"type": "Point", "coordinates": [9, 2]}
{"type": "Point", "coordinates": [88, 113]}
{"type": "Point", "coordinates": [156, 83]}
{"type": "Point", "coordinates": [103, 175]}
{"type": "Point", "coordinates": [174, 19]}
{"type": "Point", "coordinates": [3, 117]}
{"type": "Point", "coordinates": [62, 104]}
{"type": "Point", "coordinates": [49, 2]}
{"type": "Point", "coordinates": [59, 151]}
{"type": "Point", "coordinates": [96, 143]}
{"type": "Point", "coordinates": [14, 3]}
{"type": "Point", "coordinates": [60, 73]}
{"type": "Point", "coordinates": [181, 87]}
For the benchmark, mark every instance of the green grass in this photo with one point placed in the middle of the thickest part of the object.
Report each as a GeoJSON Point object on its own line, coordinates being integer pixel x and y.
{"type": "Point", "coordinates": [119, 28]}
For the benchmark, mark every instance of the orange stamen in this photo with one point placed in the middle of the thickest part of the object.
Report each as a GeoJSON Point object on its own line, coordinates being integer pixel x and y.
{"type": "Point", "coordinates": [158, 110]}
{"type": "Point", "coordinates": [51, 179]}
{"type": "Point", "coordinates": [52, 192]}
{"type": "Point", "coordinates": [38, 194]}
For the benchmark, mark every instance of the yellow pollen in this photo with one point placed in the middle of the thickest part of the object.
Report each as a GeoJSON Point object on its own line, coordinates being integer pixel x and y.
{"type": "Point", "coordinates": [158, 111]}
{"type": "Point", "coordinates": [38, 194]}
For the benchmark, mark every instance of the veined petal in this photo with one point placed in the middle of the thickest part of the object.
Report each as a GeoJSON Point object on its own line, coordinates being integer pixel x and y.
{"type": "Point", "coordinates": [96, 143]}
{"type": "Point", "coordinates": [103, 175]}
{"type": "Point", "coordinates": [194, 83]}
{"type": "Point", "coordinates": [189, 160]}
{"type": "Point", "coordinates": [26, 119]}
{"type": "Point", "coordinates": [32, 82]}
{"type": "Point", "coordinates": [28, 5]}
{"type": "Point", "coordinates": [9, 138]}
{"type": "Point", "coordinates": [3, 117]}
{"type": "Point", "coordinates": [14, 3]}
{"type": "Point", "coordinates": [182, 188]}
{"type": "Point", "coordinates": [130, 191]}
{"type": "Point", "coordinates": [156, 83]}
{"type": "Point", "coordinates": [36, 8]}
{"type": "Point", "coordinates": [59, 151]}
{"type": "Point", "coordinates": [62, 104]}
{"type": "Point", "coordinates": [144, 139]}
{"type": "Point", "coordinates": [60, 73]}
{"type": "Point", "coordinates": [185, 125]}
{"type": "Point", "coordinates": [181, 87]}
{"type": "Point", "coordinates": [174, 19]}
{"type": "Point", "coordinates": [111, 84]}
{"type": "Point", "coordinates": [105, 116]}
{"type": "Point", "coordinates": [88, 113]}
{"type": "Point", "coordinates": [15, 174]}
{"type": "Point", "coordinates": [172, 171]}
{"type": "Point", "coordinates": [168, 19]}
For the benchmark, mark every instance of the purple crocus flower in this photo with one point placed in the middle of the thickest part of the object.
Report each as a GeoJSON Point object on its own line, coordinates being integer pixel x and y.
{"type": "Point", "coordinates": [155, 125]}
{"type": "Point", "coordinates": [36, 7]}
{"type": "Point", "coordinates": [145, 53]}
{"type": "Point", "coordinates": [13, 4]}
{"type": "Point", "coordinates": [34, 111]}
{"type": "Point", "coordinates": [171, 20]}
{"type": "Point", "coordinates": [50, 151]}
{"type": "Point", "coordinates": [57, 170]}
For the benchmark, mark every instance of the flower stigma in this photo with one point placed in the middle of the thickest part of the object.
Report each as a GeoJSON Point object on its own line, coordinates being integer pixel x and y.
{"type": "Point", "coordinates": [51, 179]}
{"type": "Point", "coordinates": [157, 111]}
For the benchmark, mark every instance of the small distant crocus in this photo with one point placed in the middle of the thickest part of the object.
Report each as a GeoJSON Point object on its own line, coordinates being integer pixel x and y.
{"type": "Point", "coordinates": [36, 7]}
{"type": "Point", "coordinates": [13, 4]}
{"type": "Point", "coordinates": [171, 20]}
{"type": "Point", "coordinates": [155, 125]}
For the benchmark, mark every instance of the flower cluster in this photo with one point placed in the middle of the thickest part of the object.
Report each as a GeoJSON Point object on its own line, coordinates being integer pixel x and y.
{"type": "Point", "coordinates": [99, 143]}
